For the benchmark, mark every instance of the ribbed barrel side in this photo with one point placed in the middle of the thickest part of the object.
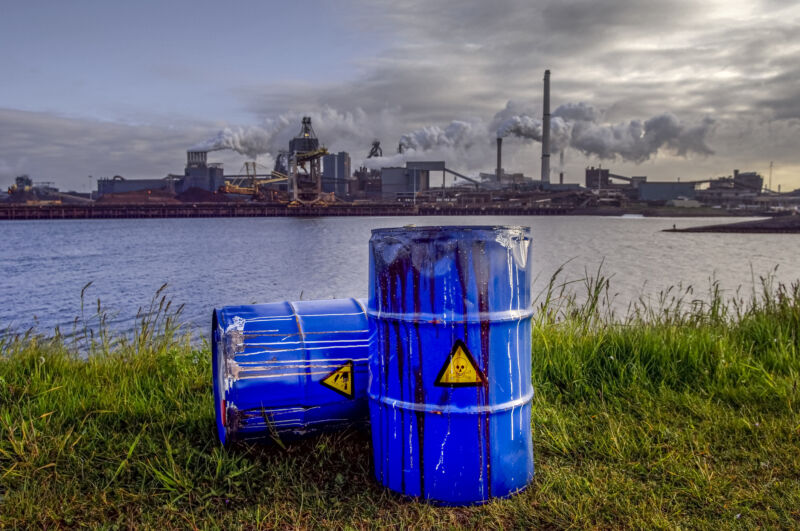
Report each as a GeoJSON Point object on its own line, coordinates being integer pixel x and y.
{"type": "Point", "coordinates": [450, 367]}
{"type": "Point", "coordinates": [289, 368]}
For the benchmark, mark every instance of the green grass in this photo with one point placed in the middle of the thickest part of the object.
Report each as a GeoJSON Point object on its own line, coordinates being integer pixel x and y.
{"type": "Point", "coordinates": [684, 412]}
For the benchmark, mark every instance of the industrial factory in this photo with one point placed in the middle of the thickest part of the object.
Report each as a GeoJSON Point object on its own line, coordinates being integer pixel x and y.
{"type": "Point", "coordinates": [307, 176]}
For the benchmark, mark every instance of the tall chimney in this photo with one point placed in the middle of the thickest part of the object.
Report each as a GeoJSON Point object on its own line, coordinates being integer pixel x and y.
{"type": "Point", "coordinates": [499, 158]}
{"type": "Point", "coordinates": [546, 129]}
{"type": "Point", "coordinates": [561, 167]}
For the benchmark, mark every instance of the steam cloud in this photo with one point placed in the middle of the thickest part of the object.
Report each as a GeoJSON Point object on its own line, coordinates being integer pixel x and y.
{"type": "Point", "coordinates": [469, 144]}
{"type": "Point", "coordinates": [454, 140]}
{"type": "Point", "coordinates": [578, 125]}
{"type": "Point", "coordinates": [387, 161]}
{"type": "Point", "coordinates": [250, 141]}
{"type": "Point", "coordinates": [349, 128]}
{"type": "Point", "coordinates": [456, 135]}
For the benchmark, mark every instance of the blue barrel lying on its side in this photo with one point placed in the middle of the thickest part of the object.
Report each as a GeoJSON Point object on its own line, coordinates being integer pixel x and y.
{"type": "Point", "coordinates": [450, 368]}
{"type": "Point", "coordinates": [289, 368]}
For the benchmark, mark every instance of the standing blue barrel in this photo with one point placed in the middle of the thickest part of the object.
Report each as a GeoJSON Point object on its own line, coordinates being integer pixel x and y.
{"type": "Point", "coordinates": [450, 368]}
{"type": "Point", "coordinates": [287, 369]}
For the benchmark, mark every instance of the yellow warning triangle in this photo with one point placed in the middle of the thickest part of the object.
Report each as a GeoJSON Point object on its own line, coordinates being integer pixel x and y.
{"type": "Point", "coordinates": [341, 380]}
{"type": "Point", "coordinates": [460, 368]}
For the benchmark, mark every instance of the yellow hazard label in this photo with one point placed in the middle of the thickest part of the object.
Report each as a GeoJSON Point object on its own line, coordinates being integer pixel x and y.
{"type": "Point", "coordinates": [460, 369]}
{"type": "Point", "coordinates": [341, 380]}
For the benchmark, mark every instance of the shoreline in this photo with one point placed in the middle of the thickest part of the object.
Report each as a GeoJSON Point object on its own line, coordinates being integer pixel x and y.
{"type": "Point", "coordinates": [685, 414]}
{"type": "Point", "coordinates": [776, 225]}
{"type": "Point", "coordinates": [231, 210]}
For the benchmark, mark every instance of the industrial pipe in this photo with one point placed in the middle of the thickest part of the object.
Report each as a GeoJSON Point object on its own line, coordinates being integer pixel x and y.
{"type": "Point", "coordinates": [499, 158]}
{"type": "Point", "coordinates": [546, 129]}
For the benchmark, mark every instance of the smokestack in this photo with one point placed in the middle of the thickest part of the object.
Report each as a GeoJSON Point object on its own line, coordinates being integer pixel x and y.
{"type": "Point", "coordinates": [196, 157]}
{"type": "Point", "coordinates": [561, 167]}
{"type": "Point", "coordinates": [499, 157]}
{"type": "Point", "coordinates": [546, 129]}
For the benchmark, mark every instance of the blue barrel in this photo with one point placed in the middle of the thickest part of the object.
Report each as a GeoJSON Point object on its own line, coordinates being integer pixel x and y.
{"type": "Point", "coordinates": [450, 368]}
{"type": "Point", "coordinates": [287, 369]}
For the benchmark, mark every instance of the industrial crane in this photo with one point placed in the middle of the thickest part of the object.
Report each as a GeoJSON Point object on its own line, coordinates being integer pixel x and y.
{"type": "Point", "coordinates": [310, 155]}
{"type": "Point", "coordinates": [305, 173]}
{"type": "Point", "coordinates": [250, 182]}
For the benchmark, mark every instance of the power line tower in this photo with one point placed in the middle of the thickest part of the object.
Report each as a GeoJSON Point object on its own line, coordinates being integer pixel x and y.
{"type": "Point", "coordinates": [770, 176]}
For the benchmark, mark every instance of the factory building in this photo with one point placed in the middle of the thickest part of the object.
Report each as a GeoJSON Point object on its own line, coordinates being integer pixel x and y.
{"type": "Point", "coordinates": [197, 174]}
{"type": "Point", "coordinates": [24, 190]}
{"type": "Point", "coordinates": [666, 191]}
{"type": "Point", "coordinates": [336, 173]}
{"type": "Point", "coordinates": [404, 183]}
{"type": "Point", "coordinates": [741, 188]}
{"type": "Point", "coordinates": [121, 185]}
{"type": "Point", "coordinates": [560, 187]}
{"type": "Point", "coordinates": [502, 180]}
{"type": "Point", "coordinates": [597, 178]}
{"type": "Point", "coordinates": [748, 180]}
{"type": "Point", "coordinates": [366, 184]}
{"type": "Point", "coordinates": [424, 168]}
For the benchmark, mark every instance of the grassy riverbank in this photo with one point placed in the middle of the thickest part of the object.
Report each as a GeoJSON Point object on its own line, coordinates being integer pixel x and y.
{"type": "Point", "coordinates": [681, 413]}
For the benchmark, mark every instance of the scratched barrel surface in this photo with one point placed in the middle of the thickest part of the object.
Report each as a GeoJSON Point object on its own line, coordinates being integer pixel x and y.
{"type": "Point", "coordinates": [450, 368]}
{"type": "Point", "coordinates": [287, 369]}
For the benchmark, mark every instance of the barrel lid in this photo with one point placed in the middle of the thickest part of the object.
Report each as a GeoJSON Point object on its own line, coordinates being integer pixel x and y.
{"type": "Point", "coordinates": [448, 228]}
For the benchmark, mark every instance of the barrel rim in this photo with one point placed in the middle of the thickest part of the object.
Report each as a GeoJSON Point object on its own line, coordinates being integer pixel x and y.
{"type": "Point", "coordinates": [216, 377]}
{"type": "Point", "coordinates": [440, 228]}
{"type": "Point", "coordinates": [449, 318]}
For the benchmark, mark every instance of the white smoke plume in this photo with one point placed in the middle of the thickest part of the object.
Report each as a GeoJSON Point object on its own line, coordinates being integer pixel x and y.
{"type": "Point", "coordinates": [458, 134]}
{"type": "Point", "coordinates": [250, 141]}
{"type": "Point", "coordinates": [468, 145]}
{"type": "Point", "coordinates": [637, 141]}
{"type": "Point", "coordinates": [388, 161]}
{"type": "Point", "coordinates": [578, 125]}
{"type": "Point", "coordinates": [577, 112]}
{"type": "Point", "coordinates": [455, 142]}
{"type": "Point", "coordinates": [337, 130]}
{"type": "Point", "coordinates": [525, 126]}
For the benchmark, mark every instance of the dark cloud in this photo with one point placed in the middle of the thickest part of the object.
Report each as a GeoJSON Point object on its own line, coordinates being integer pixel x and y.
{"type": "Point", "coordinates": [453, 58]}
{"type": "Point", "coordinates": [67, 150]}
{"type": "Point", "coordinates": [462, 61]}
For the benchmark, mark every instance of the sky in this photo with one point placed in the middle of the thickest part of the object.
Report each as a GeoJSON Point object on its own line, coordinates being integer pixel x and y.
{"type": "Point", "coordinates": [668, 89]}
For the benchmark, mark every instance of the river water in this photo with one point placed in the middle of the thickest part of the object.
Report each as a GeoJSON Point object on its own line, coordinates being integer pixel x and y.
{"type": "Point", "coordinates": [208, 263]}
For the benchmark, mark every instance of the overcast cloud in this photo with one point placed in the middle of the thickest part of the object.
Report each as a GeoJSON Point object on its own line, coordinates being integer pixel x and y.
{"type": "Point", "coordinates": [440, 73]}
